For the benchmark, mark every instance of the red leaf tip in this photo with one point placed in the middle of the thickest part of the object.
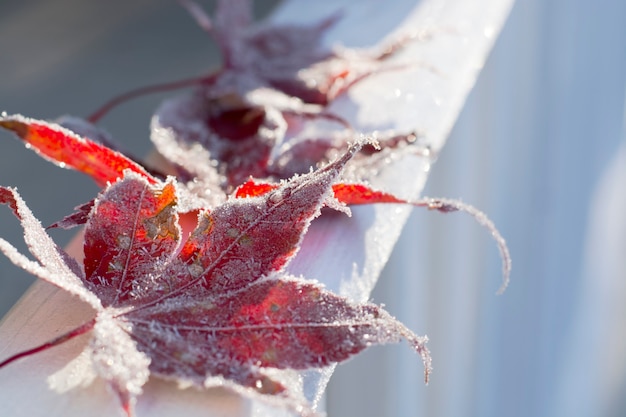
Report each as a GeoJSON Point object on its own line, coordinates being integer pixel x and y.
{"type": "Point", "coordinates": [14, 124]}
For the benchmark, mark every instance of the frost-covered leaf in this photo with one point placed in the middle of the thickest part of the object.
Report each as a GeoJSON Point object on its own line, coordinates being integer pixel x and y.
{"type": "Point", "coordinates": [217, 141]}
{"type": "Point", "coordinates": [269, 55]}
{"type": "Point", "coordinates": [282, 323]}
{"type": "Point", "coordinates": [213, 308]}
{"type": "Point", "coordinates": [251, 118]}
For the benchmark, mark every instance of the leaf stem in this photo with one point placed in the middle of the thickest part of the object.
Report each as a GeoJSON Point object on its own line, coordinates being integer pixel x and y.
{"type": "Point", "coordinates": [150, 89]}
{"type": "Point", "coordinates": [83, 328]}
{"type": "Point", "coordinates": [446, 205]}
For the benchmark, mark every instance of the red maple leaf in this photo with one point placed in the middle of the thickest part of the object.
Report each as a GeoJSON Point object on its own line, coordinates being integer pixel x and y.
{"type": "Point", "coordinates": [216, 308]}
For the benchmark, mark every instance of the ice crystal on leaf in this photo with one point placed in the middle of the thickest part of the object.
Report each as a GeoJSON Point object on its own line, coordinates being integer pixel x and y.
{"type": "Point", "coordinates": [216, 308]}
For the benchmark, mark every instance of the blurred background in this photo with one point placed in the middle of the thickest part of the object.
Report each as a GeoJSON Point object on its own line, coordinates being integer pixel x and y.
{"type": "Point", "coordinates": [540, 147]}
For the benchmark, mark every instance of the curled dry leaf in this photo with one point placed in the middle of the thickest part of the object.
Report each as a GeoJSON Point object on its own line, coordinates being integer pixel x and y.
{"type": "Point", "coordinates": [216, 308]}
